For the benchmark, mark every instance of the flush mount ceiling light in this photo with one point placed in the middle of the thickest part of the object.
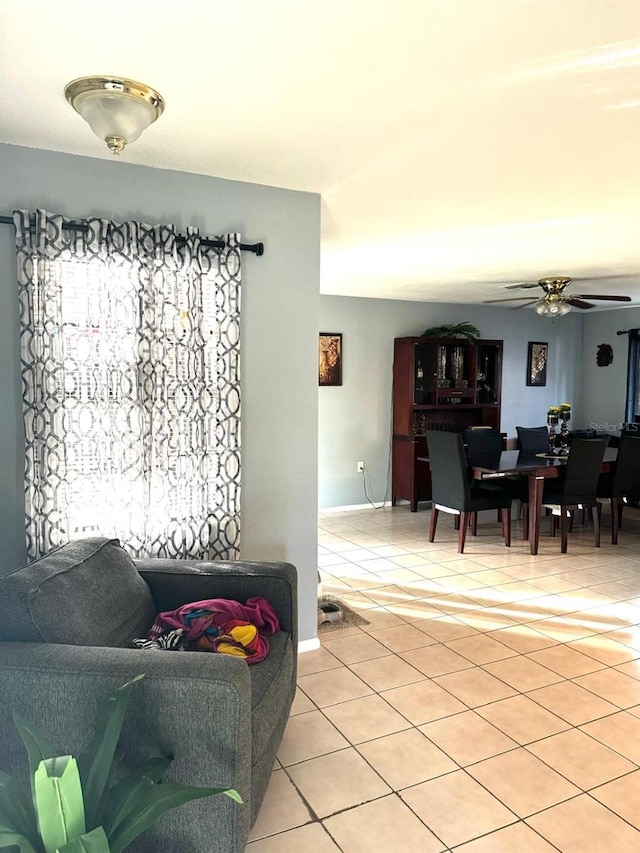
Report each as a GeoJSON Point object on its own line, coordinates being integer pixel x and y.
{"type": "Point", "coordinates": [117, 109]}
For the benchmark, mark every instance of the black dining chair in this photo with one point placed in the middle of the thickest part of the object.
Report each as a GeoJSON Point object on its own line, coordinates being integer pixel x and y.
{"type": "Point", "coordinates": [632, 429]}
{"type": "Point", "coordinates": [452, 492]}
{"type": "Point", "coordinates": [533, 439]}
{"type": "Point", "coordinates": [578, 488]}
{"type": "Point", "coordinates": [483, 446]}
{"type": "Point", "coordinates": [622, 486]}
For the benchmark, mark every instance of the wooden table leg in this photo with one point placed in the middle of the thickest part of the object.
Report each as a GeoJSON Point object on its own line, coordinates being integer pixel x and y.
{"type": "Point", "coordinates": [536, 487]}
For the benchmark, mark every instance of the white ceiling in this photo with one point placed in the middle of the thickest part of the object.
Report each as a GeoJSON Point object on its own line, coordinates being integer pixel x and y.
{"type": "Point", "coordinates": [459, 145]}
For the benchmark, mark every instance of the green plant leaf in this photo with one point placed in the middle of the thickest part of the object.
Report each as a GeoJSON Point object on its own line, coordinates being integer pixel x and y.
{"type": "Point", "coordinates": [38, 746]}
{"type": "Point", "coordinates": [130, 800]}
{"type": "Point", "coordinates": [16, 809]}
{"type": "Point", "coordinates": [9, 838]}
{"type": "Point", "coordinates": [92, 842]}
{"type": "Point", "coordinates": [59, 802]}
{"type": "Point", "coordinates": [95, 761]}
{"type": "Point", "coordinates": [154, 803]}
{"type": "Point", "coordinates": [466, 329]}
{"type": "Point", "coordinates": [122, 797]}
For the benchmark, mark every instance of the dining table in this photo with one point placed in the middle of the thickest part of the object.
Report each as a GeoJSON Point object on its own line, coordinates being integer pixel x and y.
{"type": "Point", "coordinates": [536, 467]}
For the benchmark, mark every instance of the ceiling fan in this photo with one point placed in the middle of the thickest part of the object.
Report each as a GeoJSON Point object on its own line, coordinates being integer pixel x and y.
{"type": "Point", "coordinates": [555, 302]}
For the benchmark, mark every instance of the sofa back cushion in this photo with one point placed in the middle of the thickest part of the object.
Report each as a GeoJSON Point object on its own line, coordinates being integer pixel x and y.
{"type": "Point", "coordinates": [87, 592]}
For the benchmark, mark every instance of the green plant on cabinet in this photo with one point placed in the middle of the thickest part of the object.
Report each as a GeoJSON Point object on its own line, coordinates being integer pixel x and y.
{"type": "Point", "coordinates": [467, 330]}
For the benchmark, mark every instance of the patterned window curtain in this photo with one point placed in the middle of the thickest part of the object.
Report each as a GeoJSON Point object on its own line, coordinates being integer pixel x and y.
{"type": "Point", "coordinates": [633, 376]}
{"type": "Point", "coordinates": [130, 350]}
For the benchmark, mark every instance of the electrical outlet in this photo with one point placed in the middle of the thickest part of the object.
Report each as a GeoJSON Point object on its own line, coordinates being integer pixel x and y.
{"type": "Point", "coordinates": [360, 467]}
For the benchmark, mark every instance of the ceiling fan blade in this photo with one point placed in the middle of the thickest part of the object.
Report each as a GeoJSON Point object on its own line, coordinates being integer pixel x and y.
{"type": "Point", "coordinates": [578, 303]}
{"type": "Point", "coordinates": [511, 299]}
{"type": "Point", "coordinates": [524, 304]}
{"type": "Point", "coordinates": [523, 285]}
{"type": "Point", "coordinates": [602, 296]}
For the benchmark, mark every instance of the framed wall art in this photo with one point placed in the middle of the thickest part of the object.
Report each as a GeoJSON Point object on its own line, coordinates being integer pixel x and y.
{"type": "Point", "coordinates": [537, 363]}
{"type": "Point", "coordinates": [330, 358]}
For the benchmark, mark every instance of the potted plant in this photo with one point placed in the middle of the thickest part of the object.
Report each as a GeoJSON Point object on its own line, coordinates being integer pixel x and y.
{"type": "Point", "coordinates": [73, 808]}
{"type": "Point", "coordinates": [453, 330]}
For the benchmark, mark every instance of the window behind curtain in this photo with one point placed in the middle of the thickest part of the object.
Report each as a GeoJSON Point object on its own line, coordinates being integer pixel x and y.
{"type": "Point", "coordinates": [130, 343]}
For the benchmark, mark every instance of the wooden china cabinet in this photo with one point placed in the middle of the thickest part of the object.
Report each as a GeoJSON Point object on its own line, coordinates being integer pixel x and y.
{"type": "Point", "coordinates": [438, 383]}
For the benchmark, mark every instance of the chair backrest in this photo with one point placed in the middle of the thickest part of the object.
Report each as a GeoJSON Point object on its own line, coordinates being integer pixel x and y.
{"type": "Point", "coordinates": [483, 446]}
{"type": "Point", "coordinates": [533, 439]}
{"type": "Point", "coordinates": [449, 479]}
{"type": "Point", "coordinates": [583, 470]}
{"type": "Point", "coordinates": [626, 479]}
{"type": "Point", "coordinates": [631, 429]}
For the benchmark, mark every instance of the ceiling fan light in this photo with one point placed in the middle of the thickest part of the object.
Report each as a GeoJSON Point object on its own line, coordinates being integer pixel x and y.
{"type": "Point", "coordinates": [552, 306]}
{"type": "Point", "coordinates": [116, 109]}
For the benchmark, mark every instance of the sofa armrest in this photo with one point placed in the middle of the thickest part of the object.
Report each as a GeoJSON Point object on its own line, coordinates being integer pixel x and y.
{"type": "Point", "coordinates": [177, 582]}
{"type": "Point", "coordinates": [194, 706]}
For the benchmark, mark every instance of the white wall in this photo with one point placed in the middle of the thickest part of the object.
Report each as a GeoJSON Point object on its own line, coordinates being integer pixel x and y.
{"type": "Point", "coordinates": [355, 418]}
{"type": "Point", "coordinates": [604, 388]}
{"type": "Point", "coordinates": [279, 335]}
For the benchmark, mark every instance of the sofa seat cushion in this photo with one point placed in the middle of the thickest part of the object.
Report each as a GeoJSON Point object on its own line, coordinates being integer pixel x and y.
{"type": "Point", "coordinates": [85, 593]}
{"type": "Point", "coordinates": [271, 692]}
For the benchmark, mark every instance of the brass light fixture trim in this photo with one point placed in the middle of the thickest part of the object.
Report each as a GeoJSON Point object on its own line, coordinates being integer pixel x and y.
{"type": "Point", "coordinates": [554, 285]}
{"type": "Point", "coordinates": [118, 109]}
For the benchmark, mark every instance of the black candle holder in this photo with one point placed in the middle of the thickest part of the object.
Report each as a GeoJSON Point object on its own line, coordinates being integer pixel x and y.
{"type": "Point", "coordinates": [552, 421]}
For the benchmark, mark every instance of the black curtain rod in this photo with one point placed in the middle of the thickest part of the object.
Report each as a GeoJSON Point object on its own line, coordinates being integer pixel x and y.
{"type": "Point", "coordinates": [256, 248]}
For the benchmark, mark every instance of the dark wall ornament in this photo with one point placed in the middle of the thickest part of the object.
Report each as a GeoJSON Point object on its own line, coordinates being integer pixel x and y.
{"type": "Point", "coordinates": [604, 356]}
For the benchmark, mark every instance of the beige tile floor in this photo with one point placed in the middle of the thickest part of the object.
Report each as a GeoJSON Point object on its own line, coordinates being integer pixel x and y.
{"type": "Point", "coordinates": [490, 705]}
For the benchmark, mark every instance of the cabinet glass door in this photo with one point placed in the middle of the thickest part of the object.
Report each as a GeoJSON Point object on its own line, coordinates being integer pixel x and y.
{"type": "Point", "coordinates": [487, 373]}
{"type": "Point", "coordinates": [455, 374]}
{"type": "Point", "coordinates": [425, 375]}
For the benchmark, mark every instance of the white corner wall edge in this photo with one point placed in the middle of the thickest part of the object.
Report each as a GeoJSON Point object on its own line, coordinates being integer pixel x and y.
{"type": "Point", "coordinates": [308, 645]}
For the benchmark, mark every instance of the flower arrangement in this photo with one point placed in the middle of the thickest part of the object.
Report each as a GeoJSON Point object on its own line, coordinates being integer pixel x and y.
{"type": "Point", "coordinates": [565, 411]}
{"type": "Point", "coordinates": [559, 413]}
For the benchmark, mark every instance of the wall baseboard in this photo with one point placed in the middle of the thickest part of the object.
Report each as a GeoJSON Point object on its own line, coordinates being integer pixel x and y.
{"type": "Point", "coordinates": [308, 645]}
{"type": "Point", "coordinates": [350, 507]}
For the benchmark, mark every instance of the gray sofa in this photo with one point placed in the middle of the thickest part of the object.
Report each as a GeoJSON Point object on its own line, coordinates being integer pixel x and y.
{"type": "Point", "coordinates": [66, 625]}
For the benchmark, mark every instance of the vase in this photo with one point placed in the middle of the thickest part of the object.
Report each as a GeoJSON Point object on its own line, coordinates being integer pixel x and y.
{"type": "Point", "coordinates": [564, 438]}
{"type": "Point", "coordinates": [457, 366]}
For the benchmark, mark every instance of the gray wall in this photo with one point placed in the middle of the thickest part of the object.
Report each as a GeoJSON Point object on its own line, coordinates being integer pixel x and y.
{"type": "Point", "coordinates": [355, 418]}
{"type": "Point", "coordinates": [279, 328]}
{"type": "Point", "coordinates": [605, 387]}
